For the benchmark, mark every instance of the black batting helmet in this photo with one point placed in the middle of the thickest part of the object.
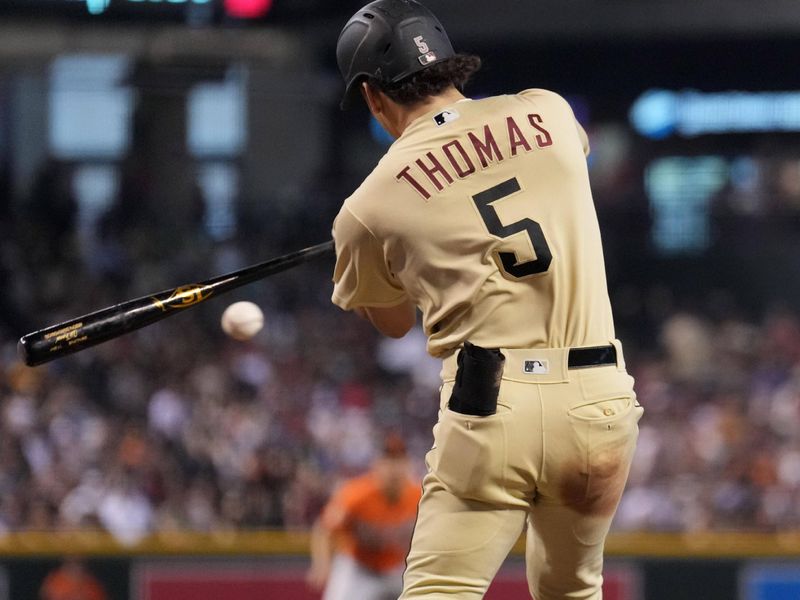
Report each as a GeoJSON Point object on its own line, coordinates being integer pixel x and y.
{"type": "Point", "coordinates": [389, 40]}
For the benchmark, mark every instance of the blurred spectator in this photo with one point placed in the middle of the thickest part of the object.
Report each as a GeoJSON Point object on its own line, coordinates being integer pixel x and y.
{"type": "Point", "coordinates": [124, 509]}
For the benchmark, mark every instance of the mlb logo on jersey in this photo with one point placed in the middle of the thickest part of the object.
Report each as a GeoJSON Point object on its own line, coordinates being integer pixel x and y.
{"type": "Point", "coordinates": [445, 117]}
{"type": "Point", "coordinates": [536, 366]}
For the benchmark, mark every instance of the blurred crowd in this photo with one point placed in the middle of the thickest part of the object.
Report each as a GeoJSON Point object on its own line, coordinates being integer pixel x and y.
{"type": "Point", "coordinates": [176, 427]}
{"type": "Point", "coordinates": [166, 430]}
{"type": "Point", "coordinates": [719, 445]}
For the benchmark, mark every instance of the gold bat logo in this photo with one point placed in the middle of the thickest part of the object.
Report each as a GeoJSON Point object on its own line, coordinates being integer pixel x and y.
{"type": "Point", "coordinates": [65, 334]}
{"type": "Point", "coordinates": [182, 297]}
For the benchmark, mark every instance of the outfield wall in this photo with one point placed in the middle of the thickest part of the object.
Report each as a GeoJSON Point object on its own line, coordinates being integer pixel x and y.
{"type": "Point", "coordinates": [264, 565]}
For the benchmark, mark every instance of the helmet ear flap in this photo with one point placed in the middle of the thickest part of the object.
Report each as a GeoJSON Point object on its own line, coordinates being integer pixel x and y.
{"type": "Point", "coordinates": [352, 93]}
{"type": "Point", "coordinates": [389, 40]}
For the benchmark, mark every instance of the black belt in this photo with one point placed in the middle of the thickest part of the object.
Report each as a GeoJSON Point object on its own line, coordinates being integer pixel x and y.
{"type": "Point", "coordinates": [593, 356]}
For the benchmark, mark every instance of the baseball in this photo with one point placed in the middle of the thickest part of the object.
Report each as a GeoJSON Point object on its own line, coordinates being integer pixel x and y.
{"type": "Point", "coordinates": [242, 320]}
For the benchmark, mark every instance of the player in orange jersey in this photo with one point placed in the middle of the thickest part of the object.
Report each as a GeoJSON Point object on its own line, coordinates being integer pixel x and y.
{"type": "Point", "coordinates": [359, 543]}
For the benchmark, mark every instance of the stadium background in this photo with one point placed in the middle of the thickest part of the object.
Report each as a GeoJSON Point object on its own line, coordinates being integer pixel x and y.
{"type": "Point", "coordinates": [146, 144]}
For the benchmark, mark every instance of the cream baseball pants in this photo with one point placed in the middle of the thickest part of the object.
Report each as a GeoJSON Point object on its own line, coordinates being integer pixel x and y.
{"type": "Point", "coordinates": [553, 460]}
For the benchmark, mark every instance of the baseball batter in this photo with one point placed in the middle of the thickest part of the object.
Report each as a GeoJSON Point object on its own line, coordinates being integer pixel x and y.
{"type": "Point", "coordinates": [481, 216]}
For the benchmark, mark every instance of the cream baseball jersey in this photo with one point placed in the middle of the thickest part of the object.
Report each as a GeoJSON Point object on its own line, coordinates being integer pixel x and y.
{"type": "Point", "coordinates": [482, 215]}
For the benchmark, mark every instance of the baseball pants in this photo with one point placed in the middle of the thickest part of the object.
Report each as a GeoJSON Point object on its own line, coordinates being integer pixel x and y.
{"type": "Point", "coordinates": [553, 460]}
{"type": "Point", "coordinates": [349, 580]}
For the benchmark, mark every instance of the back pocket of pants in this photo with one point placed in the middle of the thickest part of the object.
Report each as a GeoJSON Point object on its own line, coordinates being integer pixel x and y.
{"type": "Point", "coordinates": [470, 454]}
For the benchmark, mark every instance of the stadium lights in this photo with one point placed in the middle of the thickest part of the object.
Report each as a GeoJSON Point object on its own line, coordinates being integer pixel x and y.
{"type": "Point", "coordinates": [243, 9]}
{"type": "Point", "coordinates": [659, 113]}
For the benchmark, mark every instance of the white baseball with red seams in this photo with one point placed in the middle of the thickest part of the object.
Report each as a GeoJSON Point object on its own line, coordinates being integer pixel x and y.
{"type": "Point", "coordinates": [242, 320]}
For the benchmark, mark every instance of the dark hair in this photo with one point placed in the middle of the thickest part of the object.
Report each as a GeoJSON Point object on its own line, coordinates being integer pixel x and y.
{"type": "Point", "coordinates": [456, 71]}
{"type": "Point", "coordinates": [394, 446]}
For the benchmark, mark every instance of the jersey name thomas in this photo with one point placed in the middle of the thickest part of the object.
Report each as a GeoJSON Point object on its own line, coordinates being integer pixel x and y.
{"type": "Point", "coordinates": [461, 157]}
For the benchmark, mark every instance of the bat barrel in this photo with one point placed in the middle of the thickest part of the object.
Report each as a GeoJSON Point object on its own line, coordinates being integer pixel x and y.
{"type": "Point", "coordinates": [72, 336]}
{"type": "Point", "coordinates": [94, 328]}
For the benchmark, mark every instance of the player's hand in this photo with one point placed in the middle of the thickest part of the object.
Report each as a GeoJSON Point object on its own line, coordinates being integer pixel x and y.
{"type": "Point", "coordinates": [317, 576]}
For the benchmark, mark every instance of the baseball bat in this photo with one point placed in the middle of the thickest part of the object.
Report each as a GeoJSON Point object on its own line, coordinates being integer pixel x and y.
{"type": "Point", "coordinates": [102, 325]}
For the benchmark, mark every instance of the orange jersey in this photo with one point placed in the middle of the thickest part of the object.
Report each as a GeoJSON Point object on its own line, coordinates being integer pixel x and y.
{"type": "Point", "coordinates": [375, 531]}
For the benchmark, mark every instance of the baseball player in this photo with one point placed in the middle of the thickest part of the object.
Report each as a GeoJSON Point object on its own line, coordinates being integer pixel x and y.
{"type": "Point", "coordinates": [359, 543]}
{"type": "Point", "coordinates": [481, 216]}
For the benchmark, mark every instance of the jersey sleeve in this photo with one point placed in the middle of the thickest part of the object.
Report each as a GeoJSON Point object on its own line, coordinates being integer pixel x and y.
{"type": "Point", "coordinates": [361, 276]}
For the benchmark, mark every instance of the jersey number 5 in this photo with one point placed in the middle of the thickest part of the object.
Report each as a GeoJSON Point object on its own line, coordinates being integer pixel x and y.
{"type": "Point", "coordinates": [508, 260]}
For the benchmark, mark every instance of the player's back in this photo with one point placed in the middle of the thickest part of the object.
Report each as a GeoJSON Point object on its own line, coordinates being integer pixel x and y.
{"type": "Point", "coordinates": [487, 220]}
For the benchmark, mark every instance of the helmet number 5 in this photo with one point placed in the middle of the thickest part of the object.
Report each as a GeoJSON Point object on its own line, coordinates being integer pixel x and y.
{"type": "Point", "coordinates": [508, 261]}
